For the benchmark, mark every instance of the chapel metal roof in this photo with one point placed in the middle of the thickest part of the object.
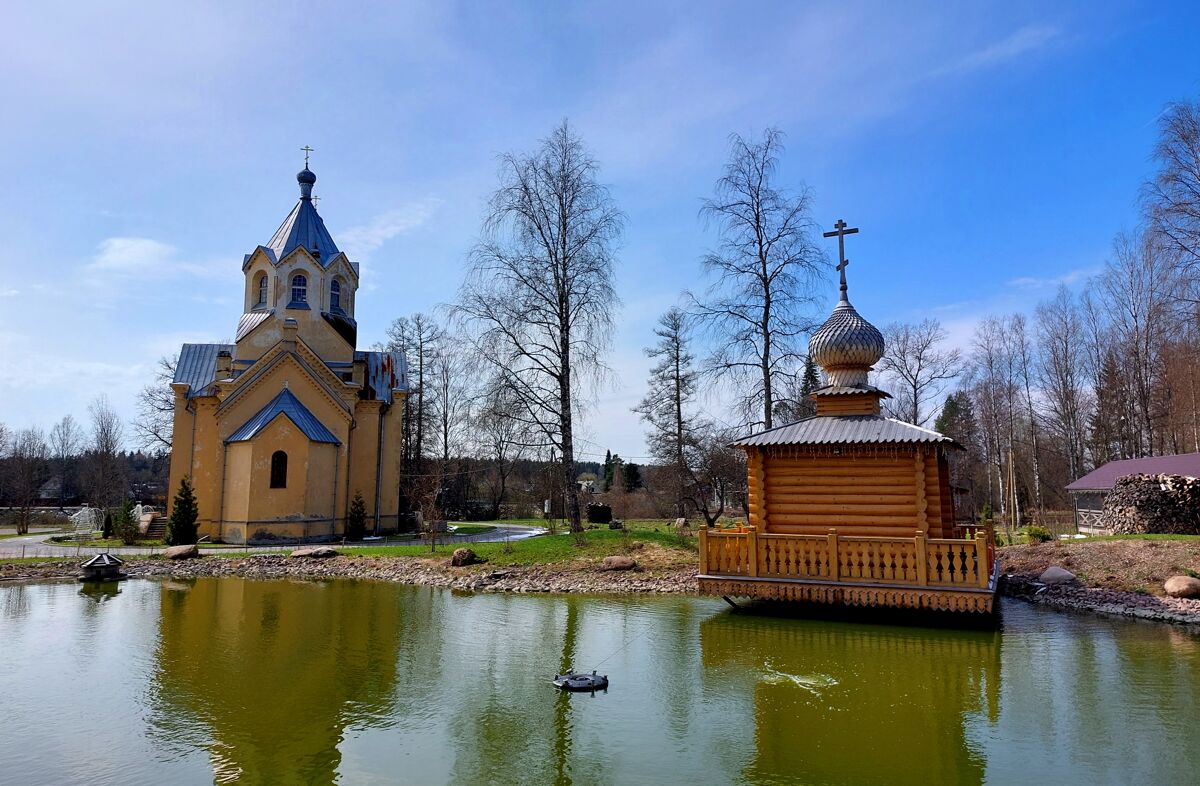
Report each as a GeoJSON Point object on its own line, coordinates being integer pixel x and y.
{"type": "Point", "coordinates": [285, 404]}
{"type": "Point", "coordinates": [385, 372]}
{"type": "Point", "coordinates": [197, 366]}
{"type": "Point", "coordinates": [1103, 477]}
{"type": "Point", "coordinates": [304, 227]}
{"type": "Point", "coordinates": [249, 321]}
{"type": "Point", "coordinates": [845, 430]}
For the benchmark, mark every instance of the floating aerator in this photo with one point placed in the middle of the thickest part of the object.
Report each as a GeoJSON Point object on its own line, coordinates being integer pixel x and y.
{"type": "Point", "coordinates": [581, 682]}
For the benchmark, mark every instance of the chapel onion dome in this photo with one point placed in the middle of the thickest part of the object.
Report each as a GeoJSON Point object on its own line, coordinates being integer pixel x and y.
{"type": "Point", "coordinates": [846, 346]}
{"type": "Point", "coordinates": [306, 179]}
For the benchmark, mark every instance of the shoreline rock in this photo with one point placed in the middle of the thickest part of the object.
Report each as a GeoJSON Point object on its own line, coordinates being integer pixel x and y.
{"type": "Point", "coordinates": [1097, 600]}
{"type": "Point", "coordinates": [432, 573]}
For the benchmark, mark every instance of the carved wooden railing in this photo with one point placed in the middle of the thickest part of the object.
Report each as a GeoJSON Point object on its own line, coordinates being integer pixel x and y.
{"type": "Point", "coordinates": [916, 561]}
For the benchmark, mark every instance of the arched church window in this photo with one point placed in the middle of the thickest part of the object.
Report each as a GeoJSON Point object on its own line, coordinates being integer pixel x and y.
{"type": "Point", "coordinates": [279, 470]}
{"type": "Point", "coordinates": [299, 289]}
{"type": "Point", "coordinates": [335, 296]}
{"type": "Point", "coordinates": [262, 290]}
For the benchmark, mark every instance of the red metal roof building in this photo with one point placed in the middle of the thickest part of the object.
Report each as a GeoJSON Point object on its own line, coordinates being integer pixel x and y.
{"type": "Point", "coordinates": [1089, 491]}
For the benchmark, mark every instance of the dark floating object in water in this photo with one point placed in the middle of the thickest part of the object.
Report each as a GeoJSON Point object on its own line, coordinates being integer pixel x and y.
{"type": "Point", "coordinates": [102, 567]}
{"type": "Point", "coordinates": [581, 682]}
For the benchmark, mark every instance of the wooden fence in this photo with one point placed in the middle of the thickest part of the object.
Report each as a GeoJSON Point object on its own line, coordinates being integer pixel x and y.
{"type": "Point", "coordinates": [917, 561]}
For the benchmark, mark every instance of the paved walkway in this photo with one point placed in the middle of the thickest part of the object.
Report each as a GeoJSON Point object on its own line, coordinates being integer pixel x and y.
{"type": "Point", "coordinates": [35, 545]}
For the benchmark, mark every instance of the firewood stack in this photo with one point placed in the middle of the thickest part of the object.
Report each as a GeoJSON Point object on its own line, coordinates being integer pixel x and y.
{"type": "Point", "coordinates": [1153, 504]}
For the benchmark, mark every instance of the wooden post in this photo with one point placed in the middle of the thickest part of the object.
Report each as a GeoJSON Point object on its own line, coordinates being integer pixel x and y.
{"type": "Point", "coordinates": [703, 551]}
{"type": "Point", "coordinates": [922, 570]}
{"type": "Point", "coordinates": [752, 548]}
{"type": "Point", "coordinates": [831, 541]}
{"type": "Point", "coordinates": [981, 559]}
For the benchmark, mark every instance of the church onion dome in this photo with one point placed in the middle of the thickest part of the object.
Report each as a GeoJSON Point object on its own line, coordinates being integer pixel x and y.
{"type": "Point", "coordinates": [304, 227]}
{"type": "Point", "coordinates": [846, 347]}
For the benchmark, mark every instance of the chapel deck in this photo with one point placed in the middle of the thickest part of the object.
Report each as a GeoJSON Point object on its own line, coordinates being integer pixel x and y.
{"type": "Point", "coordinates": [940, 574]}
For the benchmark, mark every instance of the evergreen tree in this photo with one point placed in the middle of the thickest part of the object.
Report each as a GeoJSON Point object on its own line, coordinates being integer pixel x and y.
{"type": "Point", "coordinates": [669, 406]}
{"type": "Point", "coordinates": [631, 474]}
{"type": "Point", "coordinates": [811, 379]}
{"type": "Point", "coordinates": [125, 524]}
{"type": "Point", "coordinates": [181, 527]}
{"type": "Point", "coordinates": [356, 521]}
{"type": "Point", "coordinates": [607, 477]}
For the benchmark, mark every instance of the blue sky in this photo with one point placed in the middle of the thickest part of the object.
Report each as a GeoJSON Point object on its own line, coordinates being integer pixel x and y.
{"type": "Point", "coordinates": [987, 151]}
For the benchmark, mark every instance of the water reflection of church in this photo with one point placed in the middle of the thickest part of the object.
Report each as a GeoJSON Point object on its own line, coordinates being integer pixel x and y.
{"type": "Point", "coordinates": [841, 703]}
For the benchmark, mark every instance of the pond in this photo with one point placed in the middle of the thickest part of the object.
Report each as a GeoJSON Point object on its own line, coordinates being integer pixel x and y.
{"type": "Point", "coordinates": [234, 680]}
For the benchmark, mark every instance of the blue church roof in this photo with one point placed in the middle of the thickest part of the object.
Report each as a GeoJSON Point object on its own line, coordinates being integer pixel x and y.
{"type": "Point", "coordinates": [285, 404]}
{"type": "Point", "coordinates": [304, 227]}
{"type": "Point", "coordinates": [197, 366]}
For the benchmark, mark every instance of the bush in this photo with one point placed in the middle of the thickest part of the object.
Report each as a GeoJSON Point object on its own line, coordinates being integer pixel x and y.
{"type": "Point", "coordinates": [181, 527]}
{"type": "Point", "coordinates": [125, 524]}
{"type": "Point", "coordinates": [1035, 534]}
{"type": "Point", "coordinates": [356, 520]}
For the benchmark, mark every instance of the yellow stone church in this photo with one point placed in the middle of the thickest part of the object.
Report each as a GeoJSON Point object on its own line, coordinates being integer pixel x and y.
{"type": "Point", "coordinates": [279, 430]}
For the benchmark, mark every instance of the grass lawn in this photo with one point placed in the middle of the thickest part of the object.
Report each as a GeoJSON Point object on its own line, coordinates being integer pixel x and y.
{"type": "Point", "coordinates": [105, 543]}
{"type": "Point", "coordinates": [547, 549]}
{"type": "Point", "coordinates": [1131, 563]}
{"type": "Point", "coordinates": [1194, 538]}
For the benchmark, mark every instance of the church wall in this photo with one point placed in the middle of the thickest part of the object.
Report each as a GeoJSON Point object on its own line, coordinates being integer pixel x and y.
{"type": "Point", "coordinates": [181, 447]}
{"type": "Point", "coordinates": [239, 467]}
{"type": "Point", "coordinates": [364, 456]}
{"type": "Point", "coordinates": [859, 491]}
{"type": "Point", "coordinates": [208, 464]}
{"type": "Point", "coordinates": [869, 491]}
{"type": "Point", "coordinates": [389, 476]}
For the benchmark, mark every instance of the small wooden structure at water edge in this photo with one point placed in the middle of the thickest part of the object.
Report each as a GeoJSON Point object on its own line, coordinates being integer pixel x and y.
{"type": "Point", "coordinates": [847, 506]}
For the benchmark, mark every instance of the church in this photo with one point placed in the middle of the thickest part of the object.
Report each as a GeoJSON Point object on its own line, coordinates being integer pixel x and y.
{"type": "Point", "coordinates": [280, 430]}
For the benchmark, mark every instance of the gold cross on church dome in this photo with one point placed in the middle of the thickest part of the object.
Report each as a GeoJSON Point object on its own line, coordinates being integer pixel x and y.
{"type": "Point", "coordinates": [307, 151]}
{"type": "Point", "coordinates": [840, 230]}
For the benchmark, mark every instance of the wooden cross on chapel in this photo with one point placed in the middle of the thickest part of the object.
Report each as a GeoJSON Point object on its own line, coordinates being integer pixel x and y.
{"type": "Point", "coordinates": [841, 229]}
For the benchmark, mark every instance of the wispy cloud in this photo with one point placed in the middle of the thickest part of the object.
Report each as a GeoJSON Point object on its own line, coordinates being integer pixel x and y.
{"type": "Point", "coordinates": [1026, 39]}
{"type": "Point", "coordinates": [359, 241]}
{"type": "Point", "coordinates": [9, 292]}
{"type": "Point", "coordinates": [146, 257]}
{"type": "Point", "coordinates": [1070, 278]}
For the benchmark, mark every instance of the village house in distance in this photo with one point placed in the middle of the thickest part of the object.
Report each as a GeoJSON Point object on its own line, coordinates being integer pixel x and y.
{"type": "Point", "coordinates": [279, 430]}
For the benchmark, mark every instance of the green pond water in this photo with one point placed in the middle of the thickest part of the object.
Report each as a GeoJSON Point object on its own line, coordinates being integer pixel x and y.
{"type": "Point", "coordinates": [232, 680]}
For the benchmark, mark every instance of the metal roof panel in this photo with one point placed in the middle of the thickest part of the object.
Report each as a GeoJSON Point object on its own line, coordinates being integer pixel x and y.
{"type": "Point", "coordinates": [845, 430]}
{"type": "Point", "coordinates": [197, 366]}
{"type": "Point", "coordinates": [1103, 477]}
{"type": "Point", "coordinates": [287, 404]}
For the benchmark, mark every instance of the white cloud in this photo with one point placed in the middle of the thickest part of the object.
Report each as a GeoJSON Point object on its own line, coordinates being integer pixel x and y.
{"type": "Point", "coordinates": [148, 258]}
{"type": "Point", "coordinates": [9, 292]}
{"type": "Point", "coordinates": [1025, 40]}
{"type": "Point", "coordinates": [1069, 278]}
{"type": "Point", "coordinates": [359, 241]}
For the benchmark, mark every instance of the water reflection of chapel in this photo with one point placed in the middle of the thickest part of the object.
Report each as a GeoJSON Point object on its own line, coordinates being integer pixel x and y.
{"type": "Point", "coordinates": [849, 506]}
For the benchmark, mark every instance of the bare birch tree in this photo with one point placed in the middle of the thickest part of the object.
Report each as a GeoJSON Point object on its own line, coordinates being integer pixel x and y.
{"type": "Point", "coordinates": [66, 438]}
{"type": "Point", "coordinates": [766, 267]}
{"type": "Point", "coordinates": [917, 359]}
{"type": "Point", "coordinates": [156, 408]}
{"type": "Point", "coordinates": [1172, 197]}
{"type": "Point", "coordinates": [539, 296]}
{"type": "Point", "coordinates": [105, 472]}
{"type": "Point", "coordinates": [28, 470]}
{"type": "Point", "coordinates": [1062, 373]}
